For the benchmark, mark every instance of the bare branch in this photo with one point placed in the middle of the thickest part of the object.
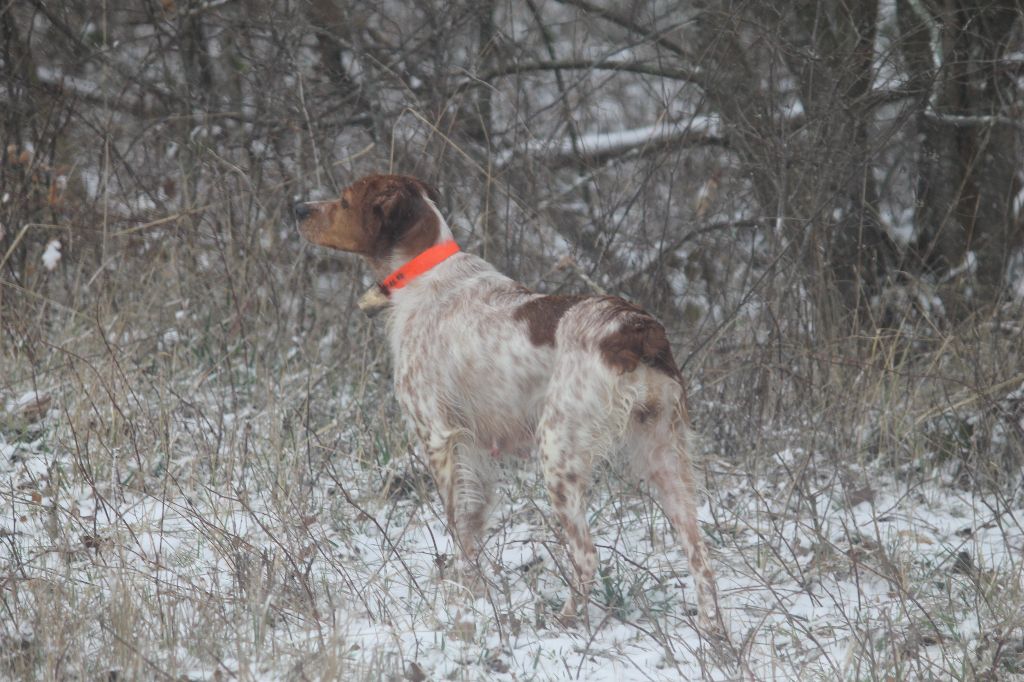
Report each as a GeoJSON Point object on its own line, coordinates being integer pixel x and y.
{"type": "Point", "coordinates": [57, 82]}
{"type": "Point", "coordinates": [595, 65]}
{"type": "Point", "coordinates": [935, 41]}
{"type": "Point", "coordinates": [614, 17]}
{"type": "Point", "coordinates": [964, 121]}
{"type": "Point", "coordinates": [82, 51]}
{"type": "Point", "coordinates": [206, 7]}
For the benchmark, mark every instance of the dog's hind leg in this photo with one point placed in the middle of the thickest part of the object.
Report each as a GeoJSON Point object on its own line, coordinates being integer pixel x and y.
{"type": "Point", "coordinates": [566, 464]}
{"type": "Point", "coordinates": [663, 458]}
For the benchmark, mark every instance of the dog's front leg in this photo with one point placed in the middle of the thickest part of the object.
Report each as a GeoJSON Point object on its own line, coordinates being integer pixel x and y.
{"type": "Point", "coordinates": [465, 497]}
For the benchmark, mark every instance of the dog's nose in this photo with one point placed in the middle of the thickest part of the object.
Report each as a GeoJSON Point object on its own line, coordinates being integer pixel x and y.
{"type": "Point", "coordinates": [301, 210]}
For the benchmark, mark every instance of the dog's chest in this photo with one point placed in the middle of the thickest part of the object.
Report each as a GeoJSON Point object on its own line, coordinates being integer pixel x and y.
{"type": "Point", "coordinates": [472, 366]}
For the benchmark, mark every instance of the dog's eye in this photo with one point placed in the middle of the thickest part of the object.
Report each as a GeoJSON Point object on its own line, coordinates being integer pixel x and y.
{"type": "Point", "coordinates": [344, 203]}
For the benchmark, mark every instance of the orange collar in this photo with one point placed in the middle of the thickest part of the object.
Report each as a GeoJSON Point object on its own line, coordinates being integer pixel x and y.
{"type": "Point", "coordinates": [417, 266]}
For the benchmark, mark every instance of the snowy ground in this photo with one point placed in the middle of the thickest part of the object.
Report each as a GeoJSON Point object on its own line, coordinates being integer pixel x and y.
{"type": "Point", "coordinates": [202, 472]}
{"type": "Point", "coordinates": [296, 564]}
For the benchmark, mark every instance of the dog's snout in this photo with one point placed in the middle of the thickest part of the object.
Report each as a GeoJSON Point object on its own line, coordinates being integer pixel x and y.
{"type": "Point", "coordinates": [301, 210]}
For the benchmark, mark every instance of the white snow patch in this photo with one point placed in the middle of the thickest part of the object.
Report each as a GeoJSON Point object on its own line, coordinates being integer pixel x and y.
{"type": "Point", "coordinates": [801, 588]}
{"type": "Point", "coordinates": [22, 401]}
{"type": "Point", "coordinates": [51, 256]}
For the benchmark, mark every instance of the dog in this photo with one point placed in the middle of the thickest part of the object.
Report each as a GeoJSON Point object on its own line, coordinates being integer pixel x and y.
{"type": "Point", "coordinates": [485, 368]}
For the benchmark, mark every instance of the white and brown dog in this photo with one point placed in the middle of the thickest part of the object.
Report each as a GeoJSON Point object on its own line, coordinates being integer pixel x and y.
{"type": "Point", "coordinates": [484, 367]}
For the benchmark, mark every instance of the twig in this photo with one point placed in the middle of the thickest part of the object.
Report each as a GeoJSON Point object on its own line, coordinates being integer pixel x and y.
{"type": "Point", "coordinates": [627, 23]}
{"type": "Point", "coordinates": [568, 262]}
{"type": "Point", "coordinates": [593, 65]}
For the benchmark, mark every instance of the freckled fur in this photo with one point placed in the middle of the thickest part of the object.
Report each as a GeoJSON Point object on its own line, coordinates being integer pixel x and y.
{"type": "Point", "coordinates": [484, 367]}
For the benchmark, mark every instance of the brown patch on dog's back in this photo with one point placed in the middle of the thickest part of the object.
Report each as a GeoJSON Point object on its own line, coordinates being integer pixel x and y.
{"type": "Point", "coordinates": [542, 315]}
{"type": "Point", "coordinates": [640, 339]}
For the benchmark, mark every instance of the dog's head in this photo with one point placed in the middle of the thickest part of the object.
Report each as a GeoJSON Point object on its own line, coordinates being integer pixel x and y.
{"type": "Point", "coordinates": [385, 218]}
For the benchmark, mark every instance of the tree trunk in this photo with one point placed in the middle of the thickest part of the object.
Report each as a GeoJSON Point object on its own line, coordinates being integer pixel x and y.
{"type": "Point", "coordinates": [817, 182]}
{"type": "Point", "coordinates": [971, 147]}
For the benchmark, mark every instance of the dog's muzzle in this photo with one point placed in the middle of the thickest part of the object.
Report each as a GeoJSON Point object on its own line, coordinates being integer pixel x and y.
{"type": "Point", "coordinates": [301, 210]}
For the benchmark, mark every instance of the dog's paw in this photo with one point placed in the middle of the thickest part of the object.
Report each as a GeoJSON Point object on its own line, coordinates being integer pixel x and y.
{"type": "Point", "coordinates": [568, 617]}
{"type": "Point", "coordinates": [471, 578]}
{"type": "Point", "coordinates": [713, 630]}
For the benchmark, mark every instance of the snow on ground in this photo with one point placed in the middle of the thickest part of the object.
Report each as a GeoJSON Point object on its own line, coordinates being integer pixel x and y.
{"type": "Point", "coordinates": [825, 572]}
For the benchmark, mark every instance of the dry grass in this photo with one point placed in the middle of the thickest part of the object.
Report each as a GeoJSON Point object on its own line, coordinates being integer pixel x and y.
{"type": "Point", "coordinates": [221, 485]}
{"type": "Point", "coordinates": [203, 472]}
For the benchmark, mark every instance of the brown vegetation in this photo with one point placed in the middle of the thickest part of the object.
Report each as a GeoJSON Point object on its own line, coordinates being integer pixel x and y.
{"type": "Point", "coordinates": [822, 202]}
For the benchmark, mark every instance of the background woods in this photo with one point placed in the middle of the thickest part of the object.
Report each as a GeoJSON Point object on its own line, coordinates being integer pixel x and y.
{"type": "Point", "coordinates": [823, 200]}
{"type": "Point", "coordinates": [866, 144]}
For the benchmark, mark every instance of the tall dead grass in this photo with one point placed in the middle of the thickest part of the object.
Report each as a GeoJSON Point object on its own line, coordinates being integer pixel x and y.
{"type": "Point", "coordinates": [220, 425]}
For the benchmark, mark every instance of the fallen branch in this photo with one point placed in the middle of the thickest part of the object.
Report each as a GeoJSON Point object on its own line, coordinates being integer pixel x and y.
{"type": "Point", "coordinates": [596, 147]}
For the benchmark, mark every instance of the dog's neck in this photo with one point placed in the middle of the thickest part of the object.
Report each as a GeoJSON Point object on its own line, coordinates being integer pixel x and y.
{"type": "Point", "coordinates": [420, 264]}
{"type": "Point", "coordinates": [432, 225]}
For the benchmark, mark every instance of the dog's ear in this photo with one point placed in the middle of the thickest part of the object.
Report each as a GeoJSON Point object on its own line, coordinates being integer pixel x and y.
{"type": "Point", "coordinates": [399, 215]}
{"type": "Point", "coordinates": [395, 204]}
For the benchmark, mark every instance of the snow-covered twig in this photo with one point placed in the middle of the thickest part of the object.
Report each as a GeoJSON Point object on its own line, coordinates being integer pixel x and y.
{"type": "Point", "coordinates": [85, 89]}
{"type": "Point", "coordinates": [935, 41]}
{"type": "Point", "coordinates": [73, 84]}
{"type": "Point", "coordinates": [595, 146]}
{"type": "Point", "coordinates": [964, 121]}
{"type": "Point", "coordinates": [206, 7]}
